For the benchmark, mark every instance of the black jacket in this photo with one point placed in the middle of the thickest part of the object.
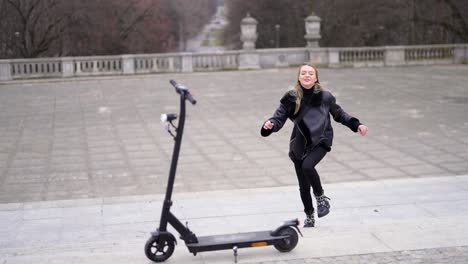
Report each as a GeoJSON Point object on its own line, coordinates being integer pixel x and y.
{"type": "Point", "coordinates": [312, 126]}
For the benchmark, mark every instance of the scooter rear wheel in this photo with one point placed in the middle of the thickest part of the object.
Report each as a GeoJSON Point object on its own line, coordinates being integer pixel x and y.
{"type": "Point", "coordinates": [289, 243]}
{"type": "Point", "coordinates": [159, 249]}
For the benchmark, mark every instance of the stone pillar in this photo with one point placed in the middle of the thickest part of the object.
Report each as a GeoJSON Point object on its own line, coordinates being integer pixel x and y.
{"type": "Point", "coordinates": [128, 64]}
{"type": "Point", "coordinates": [249, 59]}
{"type": "Point", "coordinates": [170, 62]}
{"type": "Point", "coordinates": [187, 62]}
{"type": "Point", "coordinates": [67, 67]}
{"type": "Point", "coordinates": [318, 56]}
{"type": "Point", "coordinates": [460, 53]}
{"type": "Point", "coordinates": [5, 70]}
{"type": "Point", "coordinates": [333, 57]}
{"type": "Point", "coordinates": [312, 26]}
{"type": "Point", "coordinates": [394, 56]}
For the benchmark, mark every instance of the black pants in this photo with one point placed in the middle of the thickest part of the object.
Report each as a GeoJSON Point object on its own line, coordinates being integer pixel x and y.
{"type": "Point", "coordinates": [308, 176]}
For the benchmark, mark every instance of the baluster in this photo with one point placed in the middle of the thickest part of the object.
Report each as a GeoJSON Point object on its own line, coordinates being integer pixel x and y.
{"type": "Point", "coordinates": [95, 66]}
{"type": "Point", "coordinates": [196, 62]}
{"type": "Point", "coordinates": [78, 67]}
{"type": "Point", "coordinates": [171, 63]}
{"type": "Point", "coordinates": [224, 62]}
{"type": "Point", "coordinates": [155, 64]}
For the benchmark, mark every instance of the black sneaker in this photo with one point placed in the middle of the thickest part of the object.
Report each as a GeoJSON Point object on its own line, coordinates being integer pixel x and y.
{"type": "Point", "coordinates": [323, 206]}
{"type": "Point", "coordinates": [309, 221]}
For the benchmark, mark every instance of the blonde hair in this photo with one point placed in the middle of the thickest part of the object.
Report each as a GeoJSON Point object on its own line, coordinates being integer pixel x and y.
{"type": "Point", "coordinates": [297, 90]}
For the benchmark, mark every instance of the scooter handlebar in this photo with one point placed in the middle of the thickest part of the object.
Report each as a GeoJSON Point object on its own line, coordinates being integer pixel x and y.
{"type": "Point", "coordinates": [190, 98]}
{"type": "Point", "coordinates": [182, 89]}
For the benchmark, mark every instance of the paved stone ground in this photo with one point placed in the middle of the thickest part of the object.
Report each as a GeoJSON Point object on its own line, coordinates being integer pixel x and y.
{"type": "Point", "coordinates": [100, 137]}
{"type": "Point", "coordinates": [452, 255]}
{"type": "Point", "coordinates": [390, 221]}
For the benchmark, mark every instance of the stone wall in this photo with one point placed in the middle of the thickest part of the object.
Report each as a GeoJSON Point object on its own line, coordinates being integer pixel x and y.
{"type": "Point", "coordinates": [232, 60]}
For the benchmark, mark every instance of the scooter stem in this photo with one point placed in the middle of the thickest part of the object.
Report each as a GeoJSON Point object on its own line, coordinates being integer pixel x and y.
{"type": "Point", "coordinates": [175, 156]}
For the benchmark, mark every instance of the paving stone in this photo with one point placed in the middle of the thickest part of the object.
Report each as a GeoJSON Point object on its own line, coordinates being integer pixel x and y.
{"type": "Point", "coordinates": [112, 124]}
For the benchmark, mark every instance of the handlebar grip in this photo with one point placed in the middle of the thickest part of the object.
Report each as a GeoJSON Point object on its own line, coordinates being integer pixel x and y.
{"type": "Point", "coordinates": [190, 98]}
{"type": "Point", "coordinates": [182, 89]}
{"type": "Point", "coordinates": [175, 84]}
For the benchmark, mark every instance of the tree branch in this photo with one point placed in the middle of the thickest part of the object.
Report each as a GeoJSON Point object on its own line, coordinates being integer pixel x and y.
{"type": "Point", "coordinates": [458, 16]}
{"type": "Point", "coordinates": [445, 25]}
{"type": "Point", "coordinates": [138, 19]}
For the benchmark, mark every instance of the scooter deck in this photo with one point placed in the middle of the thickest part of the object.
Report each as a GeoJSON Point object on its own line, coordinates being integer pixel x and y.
{"type": "Point", "coordinates": [228, 241]}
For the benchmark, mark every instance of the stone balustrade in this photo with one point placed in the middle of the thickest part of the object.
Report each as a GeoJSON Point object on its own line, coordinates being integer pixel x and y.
{"type": "Point", "coordinates": [24, 68]}
{"type": "Point", "coordinates": [232, 60]}
{"type": "Point", "coordinates": [226, 60]}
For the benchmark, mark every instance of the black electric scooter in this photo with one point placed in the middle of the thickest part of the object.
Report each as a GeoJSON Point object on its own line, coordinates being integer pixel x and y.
{"type": "Point", "coordinates": [160, 245]}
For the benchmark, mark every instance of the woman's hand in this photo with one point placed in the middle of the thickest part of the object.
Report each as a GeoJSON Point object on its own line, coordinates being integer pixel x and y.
{"type": "Point", "coordinates": [268, 125]}
{"type": "Point", "coordinates": [363, 130]}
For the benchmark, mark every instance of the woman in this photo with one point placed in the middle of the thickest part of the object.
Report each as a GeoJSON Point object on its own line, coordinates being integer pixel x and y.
{"type": "Point", "coordinates": [309, 107]}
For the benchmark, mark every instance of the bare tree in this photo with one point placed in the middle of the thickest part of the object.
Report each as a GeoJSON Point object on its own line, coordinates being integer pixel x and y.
{"type": "Point", "coordinates": [353, 22]}
{"type": "Point", "coordinates": [36, 24]}
{"type": "Point", "coordinates": [451, 17]}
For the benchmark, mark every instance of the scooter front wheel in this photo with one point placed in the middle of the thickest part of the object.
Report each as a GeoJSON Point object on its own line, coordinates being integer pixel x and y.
{"type": "Point", "coordinates": [159, 249]}
{"type": "Point", "coordinates": [288, 243]}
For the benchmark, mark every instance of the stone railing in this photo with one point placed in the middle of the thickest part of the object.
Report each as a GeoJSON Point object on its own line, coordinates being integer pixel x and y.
{"type": "Point", "coordinates": [226, 60]}
{"type": "Point", "coordinates": [31, 68]}
{"type": "Point", "coordinates": [232, 60]}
